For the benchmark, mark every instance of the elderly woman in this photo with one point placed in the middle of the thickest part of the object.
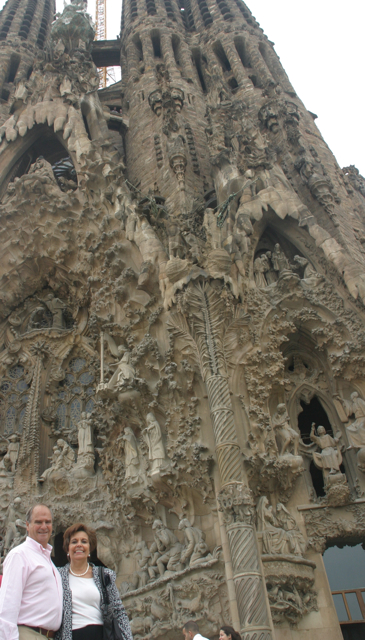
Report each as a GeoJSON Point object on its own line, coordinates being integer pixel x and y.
{"type": "Point", "coordinates": [84, 607]}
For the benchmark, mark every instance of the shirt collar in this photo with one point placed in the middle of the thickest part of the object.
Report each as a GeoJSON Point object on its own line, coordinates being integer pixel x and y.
{"type": "Point", "coordinates": [37, 546]}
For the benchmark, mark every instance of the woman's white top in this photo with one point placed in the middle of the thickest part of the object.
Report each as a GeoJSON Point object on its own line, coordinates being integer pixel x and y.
{"type": "Point", "coordinates": [85, 602]}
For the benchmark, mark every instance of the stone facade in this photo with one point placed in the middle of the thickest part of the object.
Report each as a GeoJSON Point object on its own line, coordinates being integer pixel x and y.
{"type": "Point", "coordinates": [182, 308]}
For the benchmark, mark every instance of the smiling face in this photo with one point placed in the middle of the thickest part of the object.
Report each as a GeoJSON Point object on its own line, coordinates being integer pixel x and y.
{"type": "Point", "coordinates": [223, 636]}
{"type": "Point", "coordinates": [40, 526]}
{"type": "Point", "coordinates": [79, 547]}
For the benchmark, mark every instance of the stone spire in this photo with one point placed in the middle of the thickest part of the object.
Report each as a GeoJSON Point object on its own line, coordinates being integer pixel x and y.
{"type": "Point", "coordinates": [24, 29]}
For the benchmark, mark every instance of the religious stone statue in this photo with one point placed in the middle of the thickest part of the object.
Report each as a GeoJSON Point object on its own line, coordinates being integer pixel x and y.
{"type": "Point", "coordinates": [132, 460]}
{"type": "Point", "coordinates": [287, 438]}
{"type": "Point", "coordinates": [56, 307]}
{"type": "Point", "coordinates": [125, 373]}
{"type": "Point", "coordinates": [214, 233]}
{"type": "Point", "coordinates": [85, 435]}
{"type": "Point", "coordinates": [86, 454]}
{"type": "Point", "coordinates": [20, 535]}
{"type": "Point", "coordinates": [279, 260]}
{"type": "Point", "coordinates": [62, 460]}
{"type": "Point", "coordinates": [195, 546]}
{"type": "Point", "coordinates": [259, 268]}
{"type": "Point", "coordinates": [270, 273]}
{"type": "Point", "coordinates": [12, 515]}
{"type": "Point", "coordinates": [274, 538]}
{"type": "Point", "coordinates": [156, 448]}
{"type": "Point", "coordinates": [145, 572]}
{"type": "Point", "coordinates": [330, 458]}
{"type": "Point", "coordinates": [8, 463]}
{"type": "Point", "coordinates": [356, 430]}
{"type": "Point", "coordinates": [167, 549]}
{"type": "Point", "coordinates": [296, 541]}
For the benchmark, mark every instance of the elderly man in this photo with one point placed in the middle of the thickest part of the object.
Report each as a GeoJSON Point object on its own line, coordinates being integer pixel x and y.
{"type": "Point", "coordinates": [31, 590]}
{"type": "Point", "coordinates": [191, 630]}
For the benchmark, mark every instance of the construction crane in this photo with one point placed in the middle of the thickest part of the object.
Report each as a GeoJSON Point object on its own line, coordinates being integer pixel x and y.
{"type": "Point", "coordinates": [101, 35]}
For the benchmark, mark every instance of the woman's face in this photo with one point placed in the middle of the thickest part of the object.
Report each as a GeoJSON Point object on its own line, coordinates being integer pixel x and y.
{"type": "Point", "coordinates": [79, 546]}
{"type": "Point", "coordinates": [223, 636]}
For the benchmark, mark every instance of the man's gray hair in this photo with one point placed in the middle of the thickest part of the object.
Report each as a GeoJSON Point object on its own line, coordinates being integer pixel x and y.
{"type": "Point", "coordinates": [29, 513]}
{"type": "Point", "coordinates": [192, 626]}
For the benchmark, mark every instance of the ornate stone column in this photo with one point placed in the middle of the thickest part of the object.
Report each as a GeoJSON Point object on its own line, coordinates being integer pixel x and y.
{"type": "Point", "coordinates": [207, 321]}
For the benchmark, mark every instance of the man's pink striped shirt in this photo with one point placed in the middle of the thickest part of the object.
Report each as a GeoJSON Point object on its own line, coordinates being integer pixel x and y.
{"type": "Point", "coordinates": [31, 590]}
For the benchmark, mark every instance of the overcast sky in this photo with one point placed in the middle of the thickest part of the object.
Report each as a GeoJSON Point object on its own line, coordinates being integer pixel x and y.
{"type": "Point", "coordinates": [321, 45]}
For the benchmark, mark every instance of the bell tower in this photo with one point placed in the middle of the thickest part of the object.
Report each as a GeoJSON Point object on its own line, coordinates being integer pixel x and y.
{"type": "Point", "coordinates": [24, 29]}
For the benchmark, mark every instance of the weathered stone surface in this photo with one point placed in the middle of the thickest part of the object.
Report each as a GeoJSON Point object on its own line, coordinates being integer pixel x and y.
{"type": "Point", "coordinates": [182, 289]}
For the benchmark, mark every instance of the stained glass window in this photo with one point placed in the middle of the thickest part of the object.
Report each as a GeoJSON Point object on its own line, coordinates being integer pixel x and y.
{"type": "Point", "coordinates": [13, 398]}
{"type": "Point", "coordinates": [75, 395]}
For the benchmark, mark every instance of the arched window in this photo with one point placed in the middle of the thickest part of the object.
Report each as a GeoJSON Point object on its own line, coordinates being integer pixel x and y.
{"type": "Point", "coordinates": [14, 393]}
{"type": "Point", "coordinates": [75, 394]}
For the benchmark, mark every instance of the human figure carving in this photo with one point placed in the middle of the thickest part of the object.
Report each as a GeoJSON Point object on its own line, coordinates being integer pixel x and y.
{"type": "Point", "coordinates": [279, 260]}
{"type": "Point", "coordinates": [356, 430]}
{"type": "Point", "coordinates": [153, 253]}
{"type": "Point", "coordinates": [132, 453]}
{"type": "Point", "coordinates": [330, 458]}
{"type": "Point", "coordinates": [296, 541]}
{"type": "Point", "coordinates": [12, 515]}
{"type": "Point", "coordinates": [85, 435]}
{"type": "Point", "coordinates": [156, 448]}
{"type": "Point", "coordinates": [8, 463]}
{"type": "Point", "coordinates": [259, 267]}
{"type": "Point", "coordinates": [168, 548]}
{"type": "Point", "coordinates": [287, 437]}
{"type": "Point", "coordinates": [56, 307]}
{"type": "Point", "coordinates": [195, 546]}
{"type": "Point", "coordinates": [145, 572]}
{"type": "Point", "coordinates": [274, 538]}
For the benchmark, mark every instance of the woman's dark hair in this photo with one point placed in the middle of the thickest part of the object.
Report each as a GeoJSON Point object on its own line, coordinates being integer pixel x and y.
{"type": "Point", "coordinates": [229, 631]}
{"type": "Point", "coordinates": [75, 528]}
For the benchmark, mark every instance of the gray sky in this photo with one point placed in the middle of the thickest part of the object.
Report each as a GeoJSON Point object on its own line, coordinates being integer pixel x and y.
{"type": "Point", "coordinates": [321, 45]}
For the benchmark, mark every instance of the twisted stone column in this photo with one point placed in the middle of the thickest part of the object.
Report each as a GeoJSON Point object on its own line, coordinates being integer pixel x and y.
{"type": "Point", "coordinates": [207, 322]}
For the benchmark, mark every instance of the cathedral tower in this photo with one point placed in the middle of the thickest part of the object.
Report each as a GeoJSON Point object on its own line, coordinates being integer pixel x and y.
{"type": "Point", "coordinates": [24, 29]}
{"type": "Point", "coordinates": [182, 308]}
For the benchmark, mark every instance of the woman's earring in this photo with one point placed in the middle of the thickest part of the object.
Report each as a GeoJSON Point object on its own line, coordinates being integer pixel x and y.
{"type": "Point", "coordinates": [68, 555]}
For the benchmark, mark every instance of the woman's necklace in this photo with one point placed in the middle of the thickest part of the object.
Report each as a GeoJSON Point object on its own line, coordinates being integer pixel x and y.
{"type": "Point", "coordinates": [79, 575]}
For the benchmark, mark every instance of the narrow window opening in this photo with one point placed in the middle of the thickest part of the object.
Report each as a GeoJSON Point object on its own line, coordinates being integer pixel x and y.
{"type": "Point", "coordinates": [29, 72]}
{"type": "Point", "coordinates": [42, 33]}
{"type": "Point", "coordinates": [223, 8]}
{"type": "Point", "coordinates": [138, 44]}
{"type": "Point", "coordinates": [13, 68]}
{"type": "Point", "coordinates": [27, 20]}
{"type": "Point", "coordinates": [9, 19]}
{"type": "Point", "coordinates": [239, 43]}
{"type": "Point", "coordinates": [156, 43]}
{"type": "Point", "coordinates": [169, 9]}
{"type": "Point", "coordinates": [175, 42]}
{"type": "Point", "coordinates": [205, 14]}
{"type": "Point", "coordinates": [196, 57]}
{"type": "Point", "coordinates": [151, 7]}
{"type": "Point", "coordinates": [134, 9]}
{"type": "Point", "coordinates": [222, 58]}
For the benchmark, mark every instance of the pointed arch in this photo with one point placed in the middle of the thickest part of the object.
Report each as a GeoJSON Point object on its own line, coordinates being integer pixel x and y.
{"type": "Point", "coordinates": [41, 140]}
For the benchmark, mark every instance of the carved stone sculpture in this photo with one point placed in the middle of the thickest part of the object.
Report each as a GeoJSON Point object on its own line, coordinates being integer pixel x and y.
{"type": "Point", "coordinates": [156, 448]}
{"type": "Point", "coordinates": [195, 546]}
{"type": "Point", "coordinates": [287, 438]}
{"type": "Point", "coordinates": [9, 460]}
{"type": "Point", "coordinates": [166, 549]}
{"type": "Point", "coordinates": [329, 459]}
{"type": "Point", "coordinates": [133, 467]}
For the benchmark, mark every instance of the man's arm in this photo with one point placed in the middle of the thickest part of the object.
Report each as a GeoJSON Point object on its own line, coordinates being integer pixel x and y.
{"type": "Point", "coordinates": [11, 592]}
